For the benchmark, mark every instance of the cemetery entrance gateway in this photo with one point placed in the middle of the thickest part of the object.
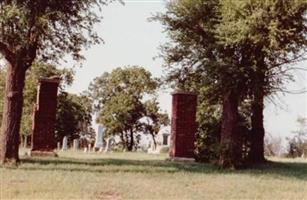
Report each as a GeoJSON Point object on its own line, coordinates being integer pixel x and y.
{"type": "Point", "coordinates": [183, 124]}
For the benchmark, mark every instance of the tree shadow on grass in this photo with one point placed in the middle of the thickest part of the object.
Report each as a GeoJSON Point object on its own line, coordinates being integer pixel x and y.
{"type": "Point", "coordinates": [296, 170]}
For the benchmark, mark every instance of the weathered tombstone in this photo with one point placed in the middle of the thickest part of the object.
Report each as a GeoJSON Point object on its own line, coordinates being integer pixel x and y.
{"type": "Point", "coordinates": [165, 141]}
{"type": "Point", "coordinates": [76, 144]}
{"type": "Point", "coordinates": [65, 144]}
{"type": "Point", "coordinates": [99, 137]}
{"type": "Point", "coordinates": [59, 146]}
{"type": "Point", "coordinates": [183, 128]}
{"type": "Point", "coordinates": [152, 148]}
{"type": "Point", "coordinates": [109, 144]}
{"type": "Point", "coordinates": [44, 116]}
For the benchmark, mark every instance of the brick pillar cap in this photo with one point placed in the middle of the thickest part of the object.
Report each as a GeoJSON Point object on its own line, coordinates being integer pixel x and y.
{"type": "Point", "coordinates": [183, 93]}
{"type": "Point", "coordinates": [54, 79]}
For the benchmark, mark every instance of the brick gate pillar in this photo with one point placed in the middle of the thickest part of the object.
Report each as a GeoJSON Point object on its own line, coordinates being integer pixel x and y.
{"type": "Point", "coordinates": [183, 127]}
{"type": "Point", "coordinates": [44, 116]}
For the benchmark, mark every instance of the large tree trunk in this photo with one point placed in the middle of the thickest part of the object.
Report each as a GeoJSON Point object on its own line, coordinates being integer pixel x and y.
{"type": "Point", "coordinates": [12, 112]}
{"type": "Point", "coordinates": [229, 136]}
{"type": "Point", "coordinates": [258, 132]}
{"type": "Point", "coordinates": [154, 140]}
{"type": "Point", "coordinates": [131, 144]}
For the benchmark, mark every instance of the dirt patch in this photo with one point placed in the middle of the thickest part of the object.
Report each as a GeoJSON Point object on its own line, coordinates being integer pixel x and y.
{"type": "Point", "coordinates": [108, 196]}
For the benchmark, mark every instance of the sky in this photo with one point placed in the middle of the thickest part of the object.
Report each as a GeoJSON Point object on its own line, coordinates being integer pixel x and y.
{"type": "Point", "coordinates": [130, 39]}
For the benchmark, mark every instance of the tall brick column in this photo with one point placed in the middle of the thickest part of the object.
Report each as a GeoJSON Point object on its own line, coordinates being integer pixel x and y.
{"type": "Point", "coordinates": [44, 116]}
{"type": "Point", "coordinates": [183, 125]}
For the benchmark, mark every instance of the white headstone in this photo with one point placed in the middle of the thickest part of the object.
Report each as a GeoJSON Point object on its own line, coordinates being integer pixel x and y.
{"type": "Point", "coordinates": [99, 137]}
{"type": "Point", "coordinates": [76, 144]}
{"type": "Point", "coordinates": [110, 141]}
{"type": "Point", "coordinates": [65, 145]}
{"type": "Point", "coordinates": [59, 146]}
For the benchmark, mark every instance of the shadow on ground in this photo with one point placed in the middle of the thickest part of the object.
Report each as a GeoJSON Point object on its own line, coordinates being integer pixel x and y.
{"type": "Point", "coordinates": [296, 170]}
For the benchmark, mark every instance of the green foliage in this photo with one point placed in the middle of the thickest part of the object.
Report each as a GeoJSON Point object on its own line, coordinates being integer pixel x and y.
{"type": "Point", "coordinates": [153, 118]}
{"type": "Point", "coordinates": [120, 98]}
{"type": "Point", "coordinates": [208, 132]}
{"type": "Point", "coordinates": [73, 113]}
{"type": "Point", "coordinates": [222, 41]}
{"type": "Point", "coordinates": [49, 28]}
{"type": "Point", "coordinates": [272, 34]}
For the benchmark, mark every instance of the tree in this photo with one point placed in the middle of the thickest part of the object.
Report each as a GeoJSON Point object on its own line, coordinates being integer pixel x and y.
{"type": "Point", "coordinates": [239, 57]}
{"type": "Point", "coordinates": [45, 30]}
{"type": "Point", "coordinates": [274, 32]}
{"type": "Point", "coordinates": [197, 49]}
{"type": "Point", "coordinates": [153, 119]}
{"type": "Point", "coordinates": [120, 102]}
{"type": "Point", "coordinates": [73, 113]}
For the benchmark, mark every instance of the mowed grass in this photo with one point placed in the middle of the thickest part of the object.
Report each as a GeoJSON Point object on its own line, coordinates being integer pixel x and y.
{"type": "Point", "coordinates": [118, 176]}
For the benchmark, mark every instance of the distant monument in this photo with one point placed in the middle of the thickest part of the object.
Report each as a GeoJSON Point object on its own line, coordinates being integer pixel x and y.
{"type": "Point", "coordinates": [65, 144]}
{"type": "Point", "coordinates": [44, 116]}
{"type": "Point", "coordinates": [165, 139]}
{"type": "Point", "coordinates": [76, 144]}
{"type": "Point", "coordinates": [99, 137]}
{"type": "Point", "coordinates": [183, 127]}
{"type": "Point", "coordinates": [110, 143]}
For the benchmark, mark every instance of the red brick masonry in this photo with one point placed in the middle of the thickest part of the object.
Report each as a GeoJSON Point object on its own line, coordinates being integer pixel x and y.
{"type": "Point", "coordinates": [44, 116]}
{"type": "Point", "coordinates": [183, 125]}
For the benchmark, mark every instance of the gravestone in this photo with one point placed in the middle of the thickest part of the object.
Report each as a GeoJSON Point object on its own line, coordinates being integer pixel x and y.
{"type": "Point", "coordinates": [44, 116]}
{"type": "Point", "coordinates": [99, 137]}
{"type": "Point", "coordinates": [89, 146]}
{"type": "Point", "coordinates": [165, 139]}
{"type": "Point", "coordinates": [59, 146]}
{"type": "Point", "coordinates": [76, 144]}
{"type": "Point", "coordinates": [109, 144]}
{"type": "Point", "coordinates": [183, 127]}
{"type": "Point", "coordinates": [65, 144]}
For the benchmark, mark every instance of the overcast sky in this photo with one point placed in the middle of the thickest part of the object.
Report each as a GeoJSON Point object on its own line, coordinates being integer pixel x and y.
{"type": "Point", "coordinates": [131, 40]}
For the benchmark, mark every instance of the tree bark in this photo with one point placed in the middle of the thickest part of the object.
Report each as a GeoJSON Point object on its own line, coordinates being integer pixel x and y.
{"type": "Point", "coordinates": [154, 140]}
{"type": "Point", "coordinates": [258, 131]}
{"type": "Point", "coordinates": [12, 112]}
{"type": "Point", "coordinates": [131, 144]}
{"type": "Point", "coordinates": [25, 142]}
{"type": "Point", "coordinates": [229, 136]}
{"type": "Point", "coordinates": [123, 140]}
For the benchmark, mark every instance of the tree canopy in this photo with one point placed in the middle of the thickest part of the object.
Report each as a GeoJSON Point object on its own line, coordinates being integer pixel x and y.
{"type": "Point", "coordinates": [120, 99]}
{"type": "Point", "coordinates": [49, 29]}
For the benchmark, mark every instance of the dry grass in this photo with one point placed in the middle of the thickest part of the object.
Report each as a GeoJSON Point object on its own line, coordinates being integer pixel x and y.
{"type": "Point", "coordinates": [140, 176]}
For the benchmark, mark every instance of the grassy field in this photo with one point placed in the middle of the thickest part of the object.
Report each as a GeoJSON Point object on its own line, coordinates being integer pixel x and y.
{"type": "Point", "coordinates": [141, 176]}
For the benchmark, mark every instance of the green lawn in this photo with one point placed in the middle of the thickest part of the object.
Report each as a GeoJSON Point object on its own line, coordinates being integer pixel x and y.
{"type": "Point", "coordinates": [141, 176]}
